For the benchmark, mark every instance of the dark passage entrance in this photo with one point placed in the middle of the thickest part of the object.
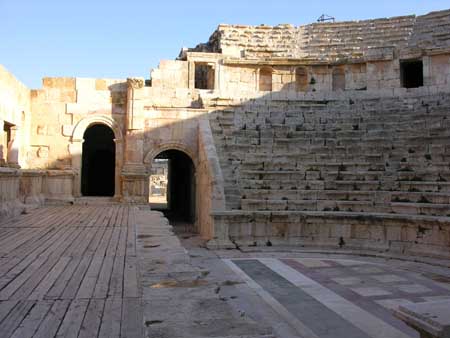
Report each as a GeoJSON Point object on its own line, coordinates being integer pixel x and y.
{"type": "Point", "coordinates": [99, 160]}
{"type": "Point", "coordinates": [180, 191]}
{"type": "Point", "coordinates": [411, 73]}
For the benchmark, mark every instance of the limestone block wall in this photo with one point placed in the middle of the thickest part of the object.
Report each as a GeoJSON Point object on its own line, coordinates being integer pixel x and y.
{"type": "Point", "coordinates": [59, 106]}
{"type": "Point", "coordinates": [211, 196]}
{"type": "Point", "coordinates": [438, 71]}
{"type": "Point", "coordinates": [171, 74]}
{"type": "Point", "coordinates": [15, 113]}
{"type": "Point", "coordinates": [383, 74]}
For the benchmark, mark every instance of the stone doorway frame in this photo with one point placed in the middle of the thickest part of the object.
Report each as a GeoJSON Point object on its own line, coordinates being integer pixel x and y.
{"type": "Point", "coordinates": [76, 150]}
{"type": "Point", "coordinates": [152, 154]}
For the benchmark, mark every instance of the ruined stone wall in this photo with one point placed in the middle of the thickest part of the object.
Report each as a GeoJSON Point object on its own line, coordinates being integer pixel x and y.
{"type": "Point", "coordinates": [334, 41]}
{"type": "Point", "coordinates": [14, 124]}
{"type": "Point", "coordinates": [171, 74]}
{"type": "Point", "coordinates": [14, 112]}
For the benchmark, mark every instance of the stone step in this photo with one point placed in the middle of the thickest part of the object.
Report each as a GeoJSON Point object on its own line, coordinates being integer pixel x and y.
{"type": "Point", "coordinates": [312, 205]}
{"type": "Point", "coordinates": [421, 209]}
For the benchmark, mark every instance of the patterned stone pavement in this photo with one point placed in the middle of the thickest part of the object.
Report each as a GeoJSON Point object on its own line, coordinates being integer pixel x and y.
{"type": "Point", "coordinates": [331, 298]}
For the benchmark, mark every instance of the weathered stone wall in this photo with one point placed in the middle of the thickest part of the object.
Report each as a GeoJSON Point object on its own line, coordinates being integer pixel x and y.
{"type": "Point", "coordinates": [59, 106]}
{"type": "Point", "coordinates": [14, 111]}
{"type": "Point", "coordinates": [211, 195]}
{"type": "Point", "coordinates": [331, 42]}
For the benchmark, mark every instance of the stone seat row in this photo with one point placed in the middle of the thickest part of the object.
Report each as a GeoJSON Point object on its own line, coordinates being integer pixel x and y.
{"type": "Point", "coordinates": [313, 173]}
{"type": "Point", "coordinates": [397, 233]}
{"type": "Point", "coordinates": [347, 195]}
{"type": "Point", "coordinates": [431, 209]}
{"type": "Point", "coordinates": [379, 185]}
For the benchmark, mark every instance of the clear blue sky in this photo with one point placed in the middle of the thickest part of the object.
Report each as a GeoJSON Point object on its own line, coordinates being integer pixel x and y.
{"type": "Point", "coordinates": [117, 39]}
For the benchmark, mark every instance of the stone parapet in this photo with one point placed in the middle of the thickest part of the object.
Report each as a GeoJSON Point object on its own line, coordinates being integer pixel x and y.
{"type": "Point", "coordinates": [58, 185]}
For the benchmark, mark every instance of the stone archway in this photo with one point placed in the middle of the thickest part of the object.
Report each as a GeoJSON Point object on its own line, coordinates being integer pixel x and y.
{"type": "Point", "coordinates": [76, 149]}
{"type": "Point", "coordinates": [98, 161]}
{"type": "Point", "coordinates": [182, 185]}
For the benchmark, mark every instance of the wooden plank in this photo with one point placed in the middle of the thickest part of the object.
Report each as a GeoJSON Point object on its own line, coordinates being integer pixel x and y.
{"type": "Point", "coordinates": [50, 325]}
{"type": "Point", "coordinates": [74, 283]}
{"type": "Point", "coordinates": [16, 271]}
{"type": "Point", "coordinates": [103, 245]}
{"type": "Point", "coordinates": [21, 219]}
{"type": "Point", "coordinates": [112, 247]}
{"type": "Point", "coordinates": [78, 245]}
{"type": "Point", "coordinates": [7, 264]}
{"type": "Point", "coordinates": [118, 219]}
{"type": "Point", "coordinates": [112, 315]}
{"type": "Point", "coordinates": [132, 318]}
{"type": "Point", "coordinates": [44, 286]}
{"type": "Point", "coordinates": [63, 279]}
{"type": "Point", "coordinates": [26, 288]}
{"type": "Point", "coordinates": [82, 248]}
{"type": "Point", "coordinates": [24, 240]}
{"type": "Point", "coordinates": [6, 307]}
{"type": "Point", "coordinates": [93, 245]}
{"type": "Point", "coordinates": [90, 279]}
{"type": "Point", "coordinates": [102, 220]}
{"type": "Point", "coordinates": [116, 283]}
{"type": "Point", "coordinates": [41, 244]}
{"type": "Point", "coordinates": [32, 321]}
{"type": "Point", "coordinates": [131, 279]}
{"type": "Point", "coordinates": [92, 319]}
{"type": "Point", "coordinates": [109, 216]}
{"type": "Point", "coordinates": [17, 282]}
{"type": "Point", "coordinates": [102, 286]}
{"type": "Point", "coordinates": [15, 317]}
{"type": "Point", "coordinates": [96, 213]}
{"type": "Point", "coordinates": [122, 245]}
{"type": "Point", "coordinates": [131, 239]}
{"type": "Point", "coordinates": [59, 248]}
{"type": "Point", "coordinates": [71, 323]}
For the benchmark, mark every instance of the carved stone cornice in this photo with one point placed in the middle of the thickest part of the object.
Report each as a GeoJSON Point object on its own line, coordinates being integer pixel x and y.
{"type": "Point", "coordinates": [135, 82]}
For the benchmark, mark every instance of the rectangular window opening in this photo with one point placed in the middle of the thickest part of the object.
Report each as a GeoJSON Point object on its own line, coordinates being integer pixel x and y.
{"type": "Point", "coordinates": [204, 76]}
{"type": "Point", "coordinates": [411, 72]}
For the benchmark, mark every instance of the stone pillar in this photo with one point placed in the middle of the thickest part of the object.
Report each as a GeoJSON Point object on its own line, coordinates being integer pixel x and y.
{"type": "Point", "coordinates": [427, 76]}
{"type": "Point", "coordinates": [119, 159]}
{"type": "Point", "coordinates": [134, 172]}
{"type": "Point", "coordinates": [76, 150]}
{"type": "Point", "coordinates": [13, 147]}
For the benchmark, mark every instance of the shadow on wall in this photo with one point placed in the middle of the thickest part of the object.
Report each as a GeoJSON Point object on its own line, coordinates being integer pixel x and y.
{"type": "Point", "coordinates": [287, 166]}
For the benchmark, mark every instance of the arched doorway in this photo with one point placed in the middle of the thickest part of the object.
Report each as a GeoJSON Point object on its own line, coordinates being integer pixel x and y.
{"type": "Point", "coordinates": [98, 161]}
{"type": "Point", "coordinates": [172, 185]}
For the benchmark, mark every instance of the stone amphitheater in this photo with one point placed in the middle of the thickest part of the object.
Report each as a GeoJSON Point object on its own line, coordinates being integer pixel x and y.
{"type": "Point", "coordinates": [330, 135]}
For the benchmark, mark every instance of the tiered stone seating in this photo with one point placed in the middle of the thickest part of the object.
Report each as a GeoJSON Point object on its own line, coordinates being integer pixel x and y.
{"type": "Point", "coordinates": [336, 161]}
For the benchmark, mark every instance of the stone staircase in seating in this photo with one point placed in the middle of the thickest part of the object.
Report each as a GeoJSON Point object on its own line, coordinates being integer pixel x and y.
{"type": "Point", "coordinates": [365, 173]}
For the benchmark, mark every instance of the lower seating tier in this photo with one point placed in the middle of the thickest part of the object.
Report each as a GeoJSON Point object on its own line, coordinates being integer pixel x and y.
{"type": "Point", "coordinates": [396, 233]}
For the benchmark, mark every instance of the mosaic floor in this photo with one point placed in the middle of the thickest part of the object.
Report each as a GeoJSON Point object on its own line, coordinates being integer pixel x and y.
{"type": "Point", "coordinates": [331, 298]}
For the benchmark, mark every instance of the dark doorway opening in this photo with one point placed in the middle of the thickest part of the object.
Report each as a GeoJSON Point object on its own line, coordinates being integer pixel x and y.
{"type": "Point", "coordinates": [204, 76]}
{"type": "Point", "coordinates": [411, 73]}
{"type": "Point", "coordinates": [98, 161]}
{"type": "Point", "coordinates": [179, 187]}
